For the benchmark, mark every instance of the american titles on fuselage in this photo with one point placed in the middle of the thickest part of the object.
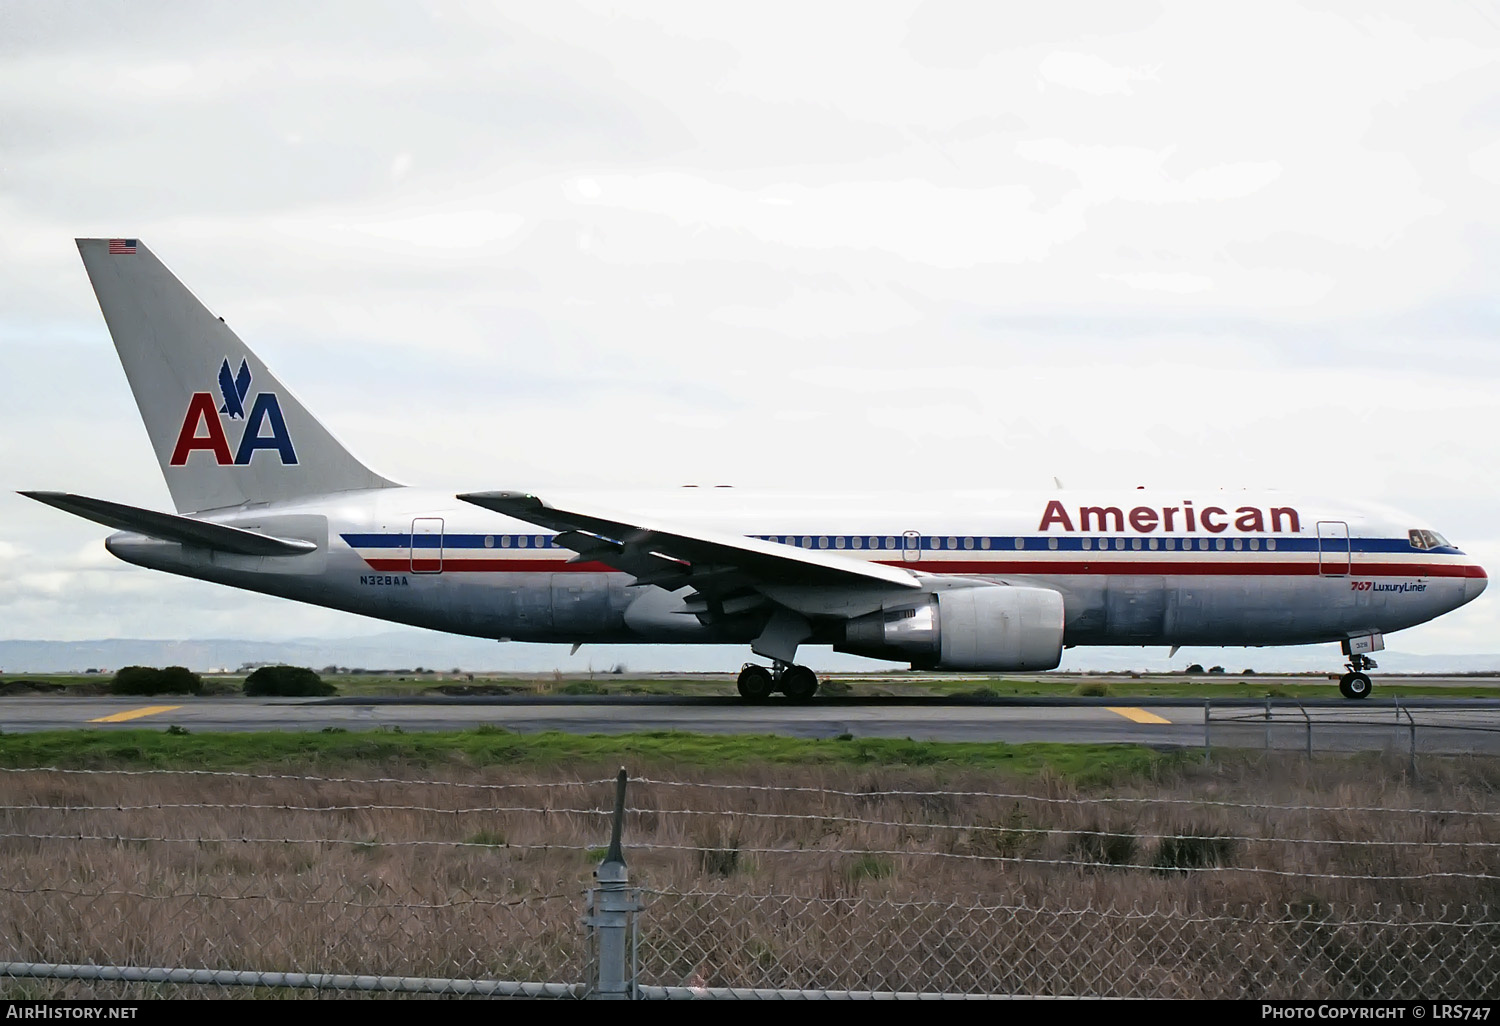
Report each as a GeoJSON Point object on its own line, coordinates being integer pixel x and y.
{"type": "Point", "coordinates": [1185, 518]}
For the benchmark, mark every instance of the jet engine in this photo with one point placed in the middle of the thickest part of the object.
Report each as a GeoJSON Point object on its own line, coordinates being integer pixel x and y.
{"type": "Point", "coordinates": [990, 627]}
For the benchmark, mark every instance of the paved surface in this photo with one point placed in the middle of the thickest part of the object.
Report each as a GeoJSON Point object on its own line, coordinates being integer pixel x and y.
{"type": "Point", "coordinates": [1442, 725]}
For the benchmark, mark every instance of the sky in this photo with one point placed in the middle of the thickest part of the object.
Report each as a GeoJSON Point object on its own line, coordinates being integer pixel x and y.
{"type": "Point", "coordinates": [936, 245]}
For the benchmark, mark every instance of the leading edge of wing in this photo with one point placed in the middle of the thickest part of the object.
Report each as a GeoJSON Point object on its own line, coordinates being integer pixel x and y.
{"type": "Point", "coordinates": [771, 562]}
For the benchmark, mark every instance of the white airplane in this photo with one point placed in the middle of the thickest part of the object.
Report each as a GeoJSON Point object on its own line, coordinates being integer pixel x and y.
{"type": "Point", "coordinates": [268, 501]}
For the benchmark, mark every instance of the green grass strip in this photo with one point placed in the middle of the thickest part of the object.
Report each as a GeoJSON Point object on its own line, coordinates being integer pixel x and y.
{"type": "Point", "coordinates": [490, 746]}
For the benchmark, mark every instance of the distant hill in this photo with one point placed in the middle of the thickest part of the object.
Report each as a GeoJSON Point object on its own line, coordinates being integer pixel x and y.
{"type": "Point", "coordinates": [410, 648]}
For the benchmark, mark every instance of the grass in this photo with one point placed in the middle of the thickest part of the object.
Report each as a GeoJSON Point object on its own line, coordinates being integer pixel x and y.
{"type": "Point", "coordinates": [896, 875]}
{"type": "Point", "coordinates": [489, 746]}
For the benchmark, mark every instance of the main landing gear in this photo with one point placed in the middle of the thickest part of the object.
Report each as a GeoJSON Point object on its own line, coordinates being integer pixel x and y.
{"type": "Point", "coordinates": [757, 683]}
{"type": "Point", "coordinates": [1356, 683]}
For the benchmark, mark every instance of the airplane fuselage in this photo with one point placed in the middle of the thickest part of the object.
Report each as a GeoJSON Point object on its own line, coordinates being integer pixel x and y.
{"type": "Point", "coordinates": [1133, 568]}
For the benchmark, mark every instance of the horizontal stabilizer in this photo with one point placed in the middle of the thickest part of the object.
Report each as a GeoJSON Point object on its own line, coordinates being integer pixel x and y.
{"type": "Point", "coordinates": [169, 527]}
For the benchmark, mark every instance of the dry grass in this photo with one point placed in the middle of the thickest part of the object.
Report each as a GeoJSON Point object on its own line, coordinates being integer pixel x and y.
{"type": "Point", "coordinates": [920, 896]}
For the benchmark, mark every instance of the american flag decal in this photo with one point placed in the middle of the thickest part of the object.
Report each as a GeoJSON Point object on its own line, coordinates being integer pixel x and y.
{"type": "Point", "coordinates": [122, 247]}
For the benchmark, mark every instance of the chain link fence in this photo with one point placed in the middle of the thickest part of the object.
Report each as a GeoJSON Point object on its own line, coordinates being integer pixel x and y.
{"type": "Point", "coordinates": [700, 944]}
{"type": "Point", "coordinates": [157, 884]}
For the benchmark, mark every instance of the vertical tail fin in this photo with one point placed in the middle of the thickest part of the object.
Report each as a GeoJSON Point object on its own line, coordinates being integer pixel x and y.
{"type": "Point", "coordinates": [225, 431]}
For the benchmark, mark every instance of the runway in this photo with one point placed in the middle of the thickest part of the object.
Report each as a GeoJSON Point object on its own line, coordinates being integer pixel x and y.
{"type": "Point", "coordinates": [1453, 726]}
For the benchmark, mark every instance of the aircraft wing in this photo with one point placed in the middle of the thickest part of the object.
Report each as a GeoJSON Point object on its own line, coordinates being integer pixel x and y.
{"type": "Point", "coordinates": [673, 557]}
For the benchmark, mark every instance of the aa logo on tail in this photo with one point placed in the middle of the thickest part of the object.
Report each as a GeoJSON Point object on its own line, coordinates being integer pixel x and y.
{"type": "Point", "coordinates": [203, 424]}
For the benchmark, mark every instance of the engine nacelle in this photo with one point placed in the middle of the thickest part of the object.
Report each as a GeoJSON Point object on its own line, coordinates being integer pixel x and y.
{"type": "Point", "coordinates": [992, 627]}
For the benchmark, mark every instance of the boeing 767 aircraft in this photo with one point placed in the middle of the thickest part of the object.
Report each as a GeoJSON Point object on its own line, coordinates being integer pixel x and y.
{"type": "Point", "coordinates": [268, 501]}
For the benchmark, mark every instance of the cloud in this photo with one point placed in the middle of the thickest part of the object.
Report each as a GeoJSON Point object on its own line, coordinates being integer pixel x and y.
{"type": "Point", "coordinates": [1091, 73]}
{"type": "Point", "coordinates": [810, 248]}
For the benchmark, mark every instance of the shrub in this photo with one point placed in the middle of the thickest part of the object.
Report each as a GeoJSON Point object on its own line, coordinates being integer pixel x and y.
{"type": "Point", "coordinates": [1092, 689]}
{"type": "Point", "coordinates": [1193, 851]}
{"type": "Point", "coordinates": [1099, 846]}
{"type": "Point", "coordinates": [1216, 669]}
{"type": "Point", "coordinates": [719, 859]}
{"type": "Point", "coordinates": [1195, 668]}
{"type": "Point", "coordinates": [148, 680]}
{"type": "Point", "coordinates": [286, 681]}
{"type": "Point", "coordinates": [869, 867]}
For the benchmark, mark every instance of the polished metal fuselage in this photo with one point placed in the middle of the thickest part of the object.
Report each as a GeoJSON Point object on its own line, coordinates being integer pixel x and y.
{"type": "Point", "coordinates": [1130, 570]}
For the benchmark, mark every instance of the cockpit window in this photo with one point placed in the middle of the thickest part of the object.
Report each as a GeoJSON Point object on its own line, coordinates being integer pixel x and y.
{"type": "Point", "coordinates": [1427, 540]}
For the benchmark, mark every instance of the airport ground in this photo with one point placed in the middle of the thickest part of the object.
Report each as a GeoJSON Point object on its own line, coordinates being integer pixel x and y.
{"type": "Point", "coordinates": [1431, 714]}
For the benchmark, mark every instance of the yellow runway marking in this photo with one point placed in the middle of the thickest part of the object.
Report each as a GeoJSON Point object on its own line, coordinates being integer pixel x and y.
{"type": "Point", "coordinates": [135, 714]}
{"type": "Point", "coordinates": [1137, 715]}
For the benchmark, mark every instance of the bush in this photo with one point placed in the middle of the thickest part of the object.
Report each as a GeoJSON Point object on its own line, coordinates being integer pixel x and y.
{"type": "Point", "coordinates": [148, 680]}
{"type": "Point", "coordinates": [286, 682]}
{"type": "Point", "coordinates": [1195, 668]}
{"type": "Point", "coordinates": [1193, 851]}
{"type": "Point", "coordinates": [1103, 847]}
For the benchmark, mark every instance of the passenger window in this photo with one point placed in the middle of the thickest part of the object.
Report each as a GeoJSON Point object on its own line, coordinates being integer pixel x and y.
{"type": "Point", "coordinates": [1171, 544]}
{"type": "Point", "coordinates": [1120, 544]}
{"type": "Point", "coordinates": [1254, 544]}
{"type": "Point", "coordinates": [1219, 544]}
{"type": "Point", "coordinates": [823, 542]}
{"type": "Point", "coordinates": [984, 543]}
{"type": "Point", "coordinates": [505, 541]}
{"type": "Point", "coordinates": [838, 542]}
{"type": "Point", "coordinates": [968, 543]}
{"type": "Point", "coordinates": [1238, 545]}
{"type": "Point", "coordinates": [1151, 543]}
{"type": "Point", "coordinates": [1270, 544]}
{"type": "Point", "coordinates": [1051, 543]}
{"type": "Point", "coordinates": [856, 541]}
{"type": "Point", "coordinates": [806, 542]}
{"type": "Point", "coordinates": [1087, 543]}
{"type": "Point", "coordinates": [1135, 543]}
{"type": "Point", "coordinates": [953, 543]}
{"type": "Point", "coordinates": [1020, 543]}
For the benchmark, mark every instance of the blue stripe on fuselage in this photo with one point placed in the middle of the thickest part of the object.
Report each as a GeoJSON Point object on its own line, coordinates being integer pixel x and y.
{"type": "Point", "coordinates": [940, 543]}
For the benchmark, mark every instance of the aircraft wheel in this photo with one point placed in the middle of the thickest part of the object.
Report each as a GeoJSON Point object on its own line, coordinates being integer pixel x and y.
{"type": "Point", "coordinates": [755, 683]}
{"type": "Point", "coordinates": [1355, 685]}
{"type": "Point", "coordinates": [799, 683]}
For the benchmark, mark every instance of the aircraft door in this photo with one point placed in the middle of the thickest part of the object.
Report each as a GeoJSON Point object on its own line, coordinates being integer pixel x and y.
{"type": "Point", "coordinates": [1333, 548]}
{"type": "Point", "coordinates": [911, 546]}
{"type": "Point", "coordinates": [427, 545]}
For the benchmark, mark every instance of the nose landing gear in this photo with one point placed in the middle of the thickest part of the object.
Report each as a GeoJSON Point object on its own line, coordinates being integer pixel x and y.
{"type": "Point", "coordinates": [757, 683]}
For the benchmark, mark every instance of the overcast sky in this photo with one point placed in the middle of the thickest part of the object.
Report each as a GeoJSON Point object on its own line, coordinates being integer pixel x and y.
{"type": "Point", "coordinates": [803, 245]}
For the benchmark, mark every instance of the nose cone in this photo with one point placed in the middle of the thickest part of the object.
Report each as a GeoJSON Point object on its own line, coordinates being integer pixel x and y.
{"type": "Point", "coordinates": [1474, 586]}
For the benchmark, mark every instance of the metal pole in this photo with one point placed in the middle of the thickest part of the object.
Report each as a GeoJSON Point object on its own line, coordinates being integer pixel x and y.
{"type": "Point", "coordinates": [1207, 736]}
{"type": "Point", "coordinates": [1268, 723]}
{"type": "Point", "coordinates": [612, 906]}
{"type": "Point", "coordinates": [1412, 750]}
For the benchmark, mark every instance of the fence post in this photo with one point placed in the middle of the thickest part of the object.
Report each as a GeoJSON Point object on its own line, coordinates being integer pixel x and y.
{"type": "Point", "coordinates": [1268, 723]}
{"type": "Point", "coordinates": [612, 909]}
{"type": "Point", "coordinates": [1207, 738]}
